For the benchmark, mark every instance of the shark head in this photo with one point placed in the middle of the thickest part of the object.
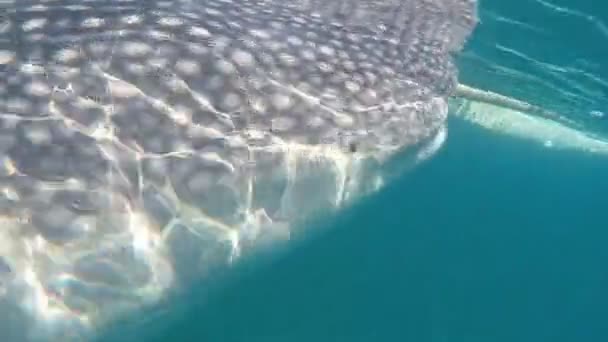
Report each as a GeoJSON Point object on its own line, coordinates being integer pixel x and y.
{"type": "Point", "coordinates": [144, 144]}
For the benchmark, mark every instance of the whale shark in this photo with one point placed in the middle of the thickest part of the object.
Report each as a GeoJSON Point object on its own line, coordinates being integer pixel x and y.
{"type": "Point", "coordinates": [145, 144]}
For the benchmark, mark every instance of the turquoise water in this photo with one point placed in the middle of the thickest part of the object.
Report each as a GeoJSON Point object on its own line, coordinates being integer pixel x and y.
{"type": "Point", "coordinates": [495, 239]}
{"type": "Point", "coordinates": [547, 52]}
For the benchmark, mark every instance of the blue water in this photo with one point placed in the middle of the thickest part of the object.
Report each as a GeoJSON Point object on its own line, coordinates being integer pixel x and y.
{"type": "Point", "coordinates": [550, 53]}
{"type": "Point", "coordinates": [493, 240]}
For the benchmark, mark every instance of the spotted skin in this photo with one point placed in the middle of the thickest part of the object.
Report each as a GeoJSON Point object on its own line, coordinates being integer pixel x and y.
{"type": "Point", "coordinates": [144, 144]}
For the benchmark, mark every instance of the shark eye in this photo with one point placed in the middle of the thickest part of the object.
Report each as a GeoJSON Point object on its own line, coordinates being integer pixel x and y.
{"type": "Point", "coordinates": [352, 147]}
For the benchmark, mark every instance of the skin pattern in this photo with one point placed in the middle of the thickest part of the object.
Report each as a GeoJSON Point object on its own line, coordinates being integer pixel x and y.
{"type": "Point", "coordinates": [145, 143]}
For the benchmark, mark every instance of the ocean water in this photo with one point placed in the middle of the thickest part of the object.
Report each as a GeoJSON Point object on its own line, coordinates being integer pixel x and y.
{"type": "Point", "coordinates": [549, 53]}
{"type": "Point", "coordinates": [494, 239]}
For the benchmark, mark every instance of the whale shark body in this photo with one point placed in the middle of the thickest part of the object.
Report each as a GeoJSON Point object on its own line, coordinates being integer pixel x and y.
{"type": "Point", "coordinates": [145, 143]}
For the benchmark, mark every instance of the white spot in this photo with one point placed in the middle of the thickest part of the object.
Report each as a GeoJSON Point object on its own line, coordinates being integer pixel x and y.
{"type": "Point", "coordinates": [349, 66]}
{"type": "Point", "coordinates": [191, 15]}
{"type": "Point", "coordinates": [188, 67]}
{"type": "Point", "coordinates": [368, 97]}
{"type": "Point", "coordinates": [198, 49]}
{"type": "Point", "coordinates": [308, 55]}
{"type": "Point", "coordinates": [325, 67]}
{"type": "Point", "coordinates": [213, 12]}
{"type": "Point", "coordinates": [337, 44]}
{"type": "Point", "coordinates": [77, 7]}
{"type": "Point", "coordinates": [355, 38]}
{"type": "Point", "coordinates": [38, 88]}
{"type": "Point", "coordinates": [231, 101]}
{"type": "Point", "coordinates": [92, 22]}
{"type": "Point", "coordinates": [170, 21]}
{"type": "Point", "coordinates": [67, 55]}
{"type": "Point", "coordinates": [132, 19]}
{"type": "Point", "coordinates": [7, 168]}
{"type": "Point", "coordinates": [548, 143]}
{"type": "Point", "coordinates": [197, 131]}
{"type": "Point", "coordinates": [38, 135]}
{"type": "Point", "coordinates": [277, 25]}
{"type": "Point", "coordinates": [327, 50]}
{"type": "Point", "coordinates": [295, 41]}
{"type": "Point", "coordinates": [225, 67]}
{"type": "Point", "coordinates": [182, 117]}
{"type": "Point", "coordinates": [36, 8]}
{"type": "Point", "coordinates": [260, 34]}
{"type": "Point", "coordinates": [343, 120]}
{"type": "Point", "coordinates": [351, 86]}
{"type": "Point", "coordinates": [123, 89]}
{"type": "Point", "coordinates": [287, 59]}
{"type": "Point", "coordinates": [9, 192]}
{"type": "Point", "coordinates": [6, 57]}
{"type": "Point", "coordinates": [316, 122]}
{"type": "Point", "coordinates": [137, 68]}
{"type": "Point", "coordinates": [158, 62]}
{"type": "Point", "coordinates": [162, 4]}
{"type": "Point", "coordinates": [33, 24]}
{"type": "Point", "coordinates": [594, 113]}
{"type": "Point", "coordinates": [235, 25]}
{"type": "Point", "coordinates": [281, 101]}
{"type": "Point", "coordinates": [258, 104]}
{"type": "Point", "coordinates": [299, 20]}
{"type": "Point", "coordinates": [273, 45]}
{"type": "Point", "coordinates": [243, 58]}
{"type": "Point", "coordinates": [200, 32]}
{"type": "Point", "coordinates": [136, 49]}
{"type": "Point", "coordinates": [31, 69]}
{"type": "Point", "coordinates": [160, 35]}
